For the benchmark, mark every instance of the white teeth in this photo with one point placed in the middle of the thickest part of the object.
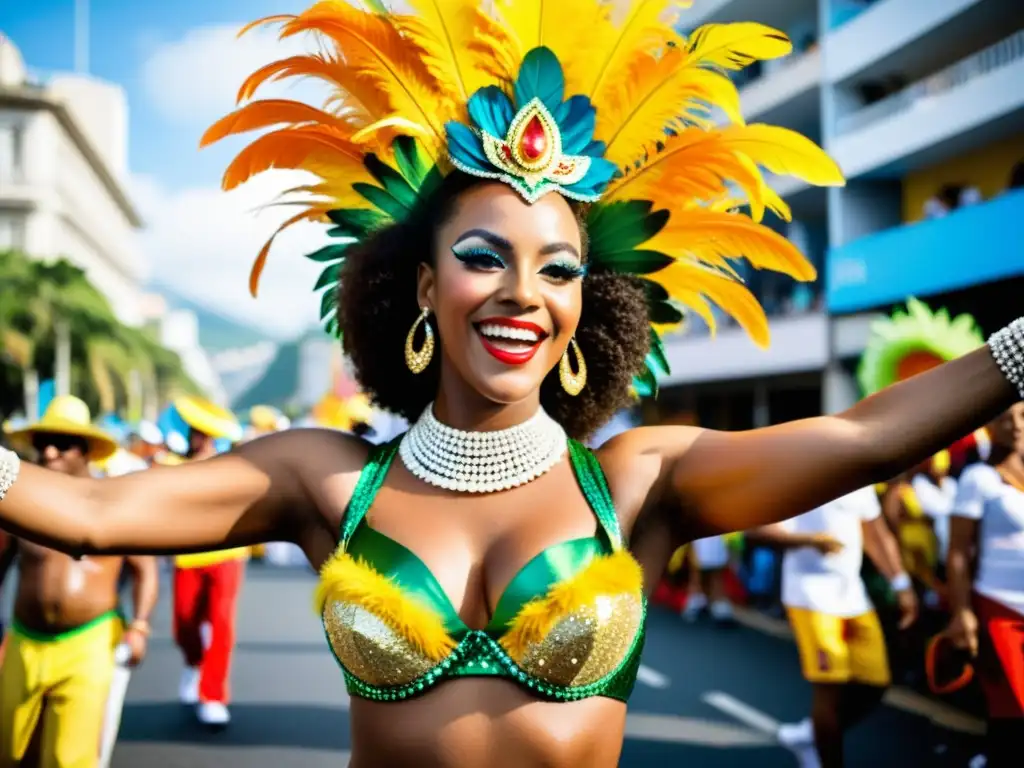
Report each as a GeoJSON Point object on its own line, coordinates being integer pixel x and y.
{"type": "Point", "coordinates": [508, 332]}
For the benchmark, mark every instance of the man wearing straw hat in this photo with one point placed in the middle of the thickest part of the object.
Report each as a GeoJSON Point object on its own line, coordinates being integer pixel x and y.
{"type": "Point", "coordinates": [206, 585]}
{"type": "Point", "coordinates": [59, 662]}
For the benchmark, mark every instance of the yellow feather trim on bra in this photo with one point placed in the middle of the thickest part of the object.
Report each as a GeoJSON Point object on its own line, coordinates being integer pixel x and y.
{"type": "Point", "coordinates": [350, 580]}
{"type": "Point", "coordinates": [612, 574]}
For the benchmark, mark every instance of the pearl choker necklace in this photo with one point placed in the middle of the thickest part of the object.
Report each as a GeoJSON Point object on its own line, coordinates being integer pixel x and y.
{"type": "Point", "coordinates": [482, 462]}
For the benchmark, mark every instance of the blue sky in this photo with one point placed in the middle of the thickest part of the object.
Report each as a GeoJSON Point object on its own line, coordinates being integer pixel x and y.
{"type": "Point", "coordinates": [179, 66]}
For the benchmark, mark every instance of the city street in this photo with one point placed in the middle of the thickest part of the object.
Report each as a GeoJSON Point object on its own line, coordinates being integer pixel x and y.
{"type": "Point", "coordinates": [706, 697]}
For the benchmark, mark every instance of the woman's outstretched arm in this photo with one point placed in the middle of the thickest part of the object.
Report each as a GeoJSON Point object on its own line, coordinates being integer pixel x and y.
{"type": "Point", "coordinates": [733, 481]}
{"type": "Point", "coordinates": [264, 490]}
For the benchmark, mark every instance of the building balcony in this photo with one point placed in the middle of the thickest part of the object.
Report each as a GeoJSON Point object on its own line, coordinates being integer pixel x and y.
{"type": "Point", "coordinates": [974, 102]}
{"type": "Point", "coordinates": [969, 246]}
{"type": "Point", "coordinates": [883, 29]}
{"type": "Point", "coordinates": [799, 344]}
{"type": "Point", "coordinates": [788, 94]}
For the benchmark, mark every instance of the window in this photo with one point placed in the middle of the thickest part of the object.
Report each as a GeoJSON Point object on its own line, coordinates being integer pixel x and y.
{"type": "Point", "coordinates": [10, 152]}
{"type": "Point", "coordinates": [12, 233]}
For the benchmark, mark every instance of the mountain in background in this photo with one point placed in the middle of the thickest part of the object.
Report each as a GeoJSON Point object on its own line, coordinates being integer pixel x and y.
{"type": "Point", "coordinates": [298, 376]}
{"type": "Point", "coordinates": [217, 333]}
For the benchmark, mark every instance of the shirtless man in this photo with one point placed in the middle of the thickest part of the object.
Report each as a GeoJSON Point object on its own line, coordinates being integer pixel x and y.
{"type": "Point", "coordinates": [60, 654]}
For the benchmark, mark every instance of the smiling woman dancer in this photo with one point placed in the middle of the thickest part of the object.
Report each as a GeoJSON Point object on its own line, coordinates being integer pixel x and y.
{"type": "Point", "coordinates": [498, 188]}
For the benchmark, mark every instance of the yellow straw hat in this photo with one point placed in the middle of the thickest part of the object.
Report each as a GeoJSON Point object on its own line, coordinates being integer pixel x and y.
{"type": "Point", "coordinates": [264, 418]}
{"type": "Point", "coordinates": [68, 415]}
{"type": "Point", "coordinates": [208, 418]}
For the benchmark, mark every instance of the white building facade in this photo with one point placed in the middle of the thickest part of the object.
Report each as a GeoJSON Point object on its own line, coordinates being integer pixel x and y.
{"type": "Point", "coordinates": [922, 106]}
{"type": "Point", "coordinates": [63, 174]}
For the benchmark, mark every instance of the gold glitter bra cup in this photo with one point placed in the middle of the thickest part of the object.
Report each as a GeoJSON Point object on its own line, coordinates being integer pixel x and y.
{"type": "Point", "coordinates": [570, 624]}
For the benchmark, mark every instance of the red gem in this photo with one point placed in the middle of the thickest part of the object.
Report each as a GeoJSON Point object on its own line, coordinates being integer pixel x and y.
{"type": "Point", "coordinates": [534, 141]}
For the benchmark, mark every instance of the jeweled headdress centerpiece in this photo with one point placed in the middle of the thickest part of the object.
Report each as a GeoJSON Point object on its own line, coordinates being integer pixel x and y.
{"type": "Point", "coordinates": [612, 107]}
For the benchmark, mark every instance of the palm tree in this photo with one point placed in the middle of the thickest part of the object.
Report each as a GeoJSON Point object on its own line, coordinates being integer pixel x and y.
{"type": "Point", "coordinates": [44, 306]}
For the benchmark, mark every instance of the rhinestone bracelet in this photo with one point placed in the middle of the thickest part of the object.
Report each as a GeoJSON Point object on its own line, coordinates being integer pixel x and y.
{"type": "Point", "coordinates": [10, 465]}
{"type": "Point", "coordinates": [1007, 347]}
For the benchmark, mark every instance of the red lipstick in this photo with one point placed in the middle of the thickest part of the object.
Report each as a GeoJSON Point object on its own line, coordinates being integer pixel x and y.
{"type": "Point", "coordinates": [508, 357]}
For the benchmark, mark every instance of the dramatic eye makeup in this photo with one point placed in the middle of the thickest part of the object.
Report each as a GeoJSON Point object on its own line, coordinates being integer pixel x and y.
{"type": "Point", "coordinates": [481, 249]}
{"type": "Point", "coordinates": [564, 268]}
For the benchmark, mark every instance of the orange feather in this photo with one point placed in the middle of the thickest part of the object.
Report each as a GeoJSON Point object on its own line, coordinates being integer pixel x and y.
{"type": "Point", "coordinates": [296, 148]}
{"type": "Point", "coordinates": [268, 112]}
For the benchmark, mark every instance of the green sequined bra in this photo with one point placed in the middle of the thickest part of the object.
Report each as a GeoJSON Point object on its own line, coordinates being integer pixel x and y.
{"type": "Point", "coordinates": [570, 624]}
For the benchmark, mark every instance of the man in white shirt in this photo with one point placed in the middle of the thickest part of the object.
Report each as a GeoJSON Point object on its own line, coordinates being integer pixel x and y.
{"type": "Point", "coordinates": [838, 634]}
{"type": "Point", "coordinates": [986, 581]}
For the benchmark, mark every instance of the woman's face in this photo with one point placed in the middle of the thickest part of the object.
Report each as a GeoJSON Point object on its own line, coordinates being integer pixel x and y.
{"type": "Point", "coordinates": [1007, 430]}
{"type": "Point", "coordinates": [505, 289]}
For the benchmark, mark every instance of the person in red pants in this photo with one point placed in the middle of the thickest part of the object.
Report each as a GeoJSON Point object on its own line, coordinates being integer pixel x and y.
{"type": "Point", "coordinates": [986, 582]}
{"type": "Point", "coordinates": [206, 586]}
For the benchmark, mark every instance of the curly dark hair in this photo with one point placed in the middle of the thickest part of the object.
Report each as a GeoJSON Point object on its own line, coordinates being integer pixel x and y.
{"type": "Point", "coordinates": [377, 306]}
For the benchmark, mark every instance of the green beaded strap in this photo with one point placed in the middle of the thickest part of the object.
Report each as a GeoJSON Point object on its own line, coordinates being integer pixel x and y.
{"type": "Point", "coordinates": [588, 471]}
{"type": "Point", "coordinates": [592, 481]}
{"type": "Point", "coordinates": [370, 480]}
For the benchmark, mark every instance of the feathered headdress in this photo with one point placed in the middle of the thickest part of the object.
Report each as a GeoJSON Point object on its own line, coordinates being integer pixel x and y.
{"type": "Point", "coordinates": [609, 106]}
{"type": "Point", "coordinates": [914, 341]}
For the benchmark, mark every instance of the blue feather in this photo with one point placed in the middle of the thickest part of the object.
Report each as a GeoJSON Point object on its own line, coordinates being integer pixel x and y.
{"type": "Point", "coordinates": [540, 77]}
{"type": "Point", "coordinates": [491, 110]}
{"type": "Point", "coordinates": [578, 127]}
{"type": "Point", "coordinates": [464, 147]}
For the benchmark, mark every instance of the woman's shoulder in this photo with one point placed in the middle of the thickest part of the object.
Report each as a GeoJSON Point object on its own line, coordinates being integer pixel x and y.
{"type": "Point", "coordinates": [334, 451]}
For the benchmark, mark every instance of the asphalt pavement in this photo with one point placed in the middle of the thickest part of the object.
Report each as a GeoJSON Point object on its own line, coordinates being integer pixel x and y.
{"type": "Point", "coordinates": [706, 697]}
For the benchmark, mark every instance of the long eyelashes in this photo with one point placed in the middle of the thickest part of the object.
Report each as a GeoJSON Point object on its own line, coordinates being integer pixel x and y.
{"type": "Point", "coordinates": [486, 259]}
{"type": "Point", "coordinates": [564, 269]}
{"type": "Point", "coordinates": [479, 258]}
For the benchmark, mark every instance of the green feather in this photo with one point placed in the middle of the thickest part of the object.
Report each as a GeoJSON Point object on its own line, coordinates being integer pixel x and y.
{"type": "Point", "coordinates": [636, 262]}
{"type": "Point", "coordinates": [327, 303]}
{"type": "Point", "coordinates": [622, 226]}
{"type": "Point", "coordinates": [409, 160]}
{"type": "Point", "coordinates": [331, 326]}
{"type": "Point", "coordinates": [382, 200]}
{"type": "Point", "coordinates": [329, 276]}
{"type": "Point", "coordinates": [357, 223]}
{"type": "Point", "coordinates": [645, 383]}
{"type": "Point", "coordinates": [655, 291]}
{"type": "Point", "coordinates": [391, 180]}
{"type": "Point", "coordinates": [656, 359]}
{"type": "Point", "coordinates": [333, 252]}
{"type": "Point", "coordinates": [665, 313]}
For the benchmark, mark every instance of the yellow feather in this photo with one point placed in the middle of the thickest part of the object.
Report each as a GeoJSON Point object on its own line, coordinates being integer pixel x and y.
{"type": "Point", "coordinates": [346, 579]}
{"type": "Point", "coordinates": [734, 46]}
{"type": "Point", "coordinates": [614, 574]}
{"type": "Point", "coordinates": [658, 93]}
{"type": "Point", "coordinates": [694, 165]}
{"type": "Point", "coordinates": [685, 277]}
{"type": "Point", "coordinates": [445, 31]}
{"type": "Point", "coordinates": [784, 152]}
{"type": "Point", "coordinates": [711, 236]}
{"type": "Point", "coordinates": [375, 50]}
{"type": "Point", "coordinates": [647, 25]}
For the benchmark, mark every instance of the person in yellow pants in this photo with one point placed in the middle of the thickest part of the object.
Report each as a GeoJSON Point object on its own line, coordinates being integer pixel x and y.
{"type": "Point", "coordinates": [59, 660]}
{"type": "Point", "coordinates": [839, 637]}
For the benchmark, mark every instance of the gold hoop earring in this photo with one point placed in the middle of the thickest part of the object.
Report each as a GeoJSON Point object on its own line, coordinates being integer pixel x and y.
{"type": "Point", "coordinates": [573, 383]}
{"type": "Point", "coordinates": [418, 360]}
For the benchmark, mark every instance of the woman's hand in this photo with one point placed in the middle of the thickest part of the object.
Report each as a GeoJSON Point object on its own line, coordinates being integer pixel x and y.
{"type": "Point", "coordinates": [963, 631]}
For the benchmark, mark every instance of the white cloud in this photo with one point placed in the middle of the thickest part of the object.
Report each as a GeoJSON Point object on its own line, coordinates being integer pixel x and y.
{"type": "Point", "coordinates": [199, 240]}
{"type": "Point", "coordinates": [201, 243]}
{"type": "Point", "coordinates": [196, 78]}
